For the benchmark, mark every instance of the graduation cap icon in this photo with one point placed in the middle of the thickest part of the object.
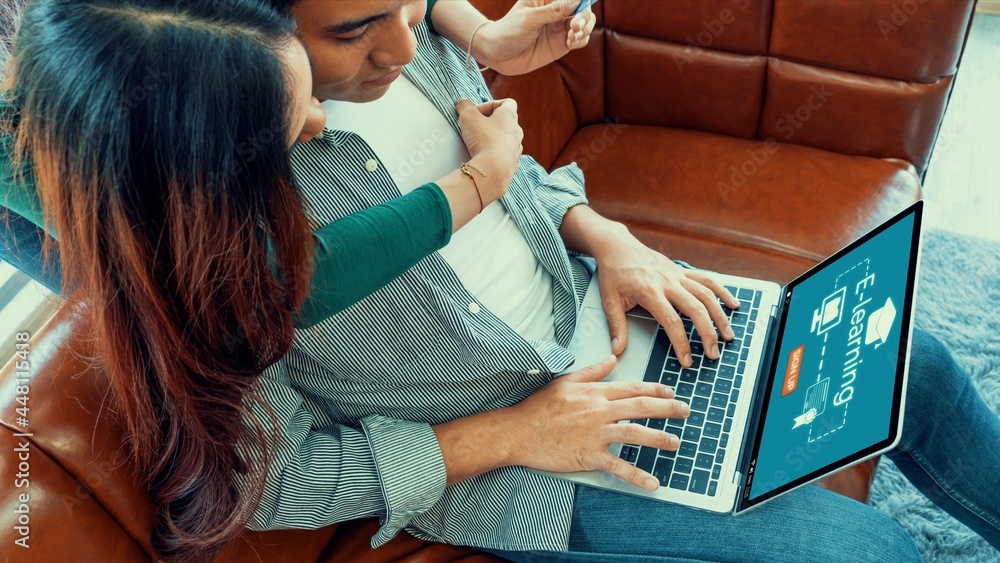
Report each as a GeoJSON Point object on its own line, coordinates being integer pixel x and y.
{"type": "Point", "coordinates": [880, 323]}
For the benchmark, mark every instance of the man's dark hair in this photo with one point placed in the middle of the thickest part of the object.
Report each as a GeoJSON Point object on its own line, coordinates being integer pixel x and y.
{"type": "Point", "coordinates": [283, 7]}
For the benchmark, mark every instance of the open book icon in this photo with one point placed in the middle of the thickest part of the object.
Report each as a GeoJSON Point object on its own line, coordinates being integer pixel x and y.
{"type": "Point", "coordinates": [880, 323]}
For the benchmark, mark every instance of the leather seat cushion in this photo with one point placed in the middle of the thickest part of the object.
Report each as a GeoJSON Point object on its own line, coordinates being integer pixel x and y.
{"type": "Point", "coordinates": [747, 207]}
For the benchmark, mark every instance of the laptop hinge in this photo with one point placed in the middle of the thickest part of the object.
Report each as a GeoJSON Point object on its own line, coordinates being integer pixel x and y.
{"type": "Point", "coordinates": [767, 363]}
{"type": "Point", "coordinates": [740, 486]}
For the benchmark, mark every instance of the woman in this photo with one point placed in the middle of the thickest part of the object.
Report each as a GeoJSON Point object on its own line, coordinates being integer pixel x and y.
{"type": "Point", "coordinates": [341, 274]}
{"type": "Point", "coordinates": [184, 241]}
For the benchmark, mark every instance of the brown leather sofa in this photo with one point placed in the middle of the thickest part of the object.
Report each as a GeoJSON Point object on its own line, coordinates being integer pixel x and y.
{"type": "Point", "coordinates": [748, 136]}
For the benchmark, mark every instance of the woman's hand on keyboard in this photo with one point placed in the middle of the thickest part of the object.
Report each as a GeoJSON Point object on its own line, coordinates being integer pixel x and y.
{"type": "Point", "coordinates": [569, 424]}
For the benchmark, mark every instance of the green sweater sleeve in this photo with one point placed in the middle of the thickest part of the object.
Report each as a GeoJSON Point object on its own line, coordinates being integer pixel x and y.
{"type": "Point", "coordinates": [361, 253]}
{"type": "Point", "coordinates": [427, 18]}
{"type": "Point", "coordinates": [355, 256]}
{"type": "Point", "coordinates": [17, 193]}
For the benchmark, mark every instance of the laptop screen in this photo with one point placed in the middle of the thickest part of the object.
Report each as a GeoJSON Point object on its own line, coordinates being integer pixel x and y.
{"type": "Point", "coordinates": [835, 388]}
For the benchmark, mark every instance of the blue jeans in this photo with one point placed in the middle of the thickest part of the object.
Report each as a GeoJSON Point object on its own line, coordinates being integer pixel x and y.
{"type": "Point", "coordinates": [950, 450]}
{"type": "Point", "coordinates": [21, 246]}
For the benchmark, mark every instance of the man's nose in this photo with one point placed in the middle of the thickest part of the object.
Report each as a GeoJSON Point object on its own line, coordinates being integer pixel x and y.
{"type": "Point", "coordinates": [398, 46]}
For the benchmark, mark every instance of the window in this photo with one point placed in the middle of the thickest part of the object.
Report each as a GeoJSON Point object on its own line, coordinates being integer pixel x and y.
{"type": "Point", "coordinates": [25, 306]}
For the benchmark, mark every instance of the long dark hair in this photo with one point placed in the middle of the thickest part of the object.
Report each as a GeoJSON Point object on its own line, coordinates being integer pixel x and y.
{"type": "Point", "coordinates": [157, 130]}
{"type": "Point", "coordinates": [284, 7]}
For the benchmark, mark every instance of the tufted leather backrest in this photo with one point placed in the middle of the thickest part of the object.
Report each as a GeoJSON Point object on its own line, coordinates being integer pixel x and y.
{"type": "Point", "coordinates": [866, 78]}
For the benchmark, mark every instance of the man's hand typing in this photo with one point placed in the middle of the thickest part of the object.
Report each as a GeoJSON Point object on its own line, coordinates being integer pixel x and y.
{"type": "Point", "coordinates": [567, 425]}
{"type": "Point", "coordinates": [631, 274]}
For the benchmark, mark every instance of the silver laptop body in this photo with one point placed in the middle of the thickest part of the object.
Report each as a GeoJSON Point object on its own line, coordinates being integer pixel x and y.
{"type": "Point", "coordinates": [732, 472]}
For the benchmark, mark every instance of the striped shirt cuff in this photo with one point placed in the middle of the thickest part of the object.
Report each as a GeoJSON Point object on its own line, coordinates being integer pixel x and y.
{"type": "Point", "coordinates": [410, 467]}
{"type": "Point", "coordinates": [560, 191]}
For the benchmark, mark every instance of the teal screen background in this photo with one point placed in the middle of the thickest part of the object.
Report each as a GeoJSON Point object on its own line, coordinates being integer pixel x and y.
{"type": "Point", "coordinates": [847, 381]}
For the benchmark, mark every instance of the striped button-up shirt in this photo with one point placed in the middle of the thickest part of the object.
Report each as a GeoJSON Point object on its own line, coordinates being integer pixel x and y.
{"type": "Point", "coordinates": [356, 397]}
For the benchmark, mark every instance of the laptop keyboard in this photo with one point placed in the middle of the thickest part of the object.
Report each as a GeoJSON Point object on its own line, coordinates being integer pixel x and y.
{"type": "Point", "coordinates": [711, 388]}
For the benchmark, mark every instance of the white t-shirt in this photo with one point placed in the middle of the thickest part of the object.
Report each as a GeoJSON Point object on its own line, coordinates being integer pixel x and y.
{"type": "Point", "coordinates": [489, 255]}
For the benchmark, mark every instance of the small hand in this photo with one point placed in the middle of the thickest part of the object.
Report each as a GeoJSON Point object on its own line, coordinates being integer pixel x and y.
{"type": "Point", "coordinates": [630, 274]}
{"type": "Point", "coordinates": [493, 137]}
{"type": "Point", "coordinates": [533, 34]}
{"type": "Point", "coordinates": [569, 424]}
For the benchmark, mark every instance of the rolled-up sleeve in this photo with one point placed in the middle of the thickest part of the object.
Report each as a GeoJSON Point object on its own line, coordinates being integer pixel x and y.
{"type": "Point", "coordinates": [387, 468]}
{"type": "Point", "coordinates": [410, 469]}
{"type": "Point", "coordinates": [557, 191]}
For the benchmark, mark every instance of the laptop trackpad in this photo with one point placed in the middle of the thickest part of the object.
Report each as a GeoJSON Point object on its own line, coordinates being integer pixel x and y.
{"type": "Point", "coordinates": [592, 343]}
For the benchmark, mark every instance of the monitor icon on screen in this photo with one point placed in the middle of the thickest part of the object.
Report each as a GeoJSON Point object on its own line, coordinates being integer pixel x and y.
{"type": "Point", "coordinates": [829, 313]}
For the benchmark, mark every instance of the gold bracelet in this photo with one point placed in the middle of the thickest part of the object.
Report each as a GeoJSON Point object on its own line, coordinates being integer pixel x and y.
{"type": "Point", "coordinates": [467, 168]}
{"type": "Point", "coordinates": [468, 165]}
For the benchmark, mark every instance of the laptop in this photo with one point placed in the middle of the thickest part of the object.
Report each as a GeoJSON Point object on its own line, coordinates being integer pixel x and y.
{"type": "Point", "coordinates": [814, 382]}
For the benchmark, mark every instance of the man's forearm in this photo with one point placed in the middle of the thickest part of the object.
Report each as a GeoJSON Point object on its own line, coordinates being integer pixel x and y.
{"type": "Point", "coordinates": [475, 444]}
{"type": "Point", "coordinates": [583, 230]}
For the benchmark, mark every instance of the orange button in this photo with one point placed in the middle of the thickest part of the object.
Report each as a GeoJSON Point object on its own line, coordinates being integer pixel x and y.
{"type": "Point", "coordinates": [792, 371]}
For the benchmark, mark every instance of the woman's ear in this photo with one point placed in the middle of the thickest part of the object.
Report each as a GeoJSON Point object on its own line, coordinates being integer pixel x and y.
{"type": "Point", "coordinates": [315, 122]}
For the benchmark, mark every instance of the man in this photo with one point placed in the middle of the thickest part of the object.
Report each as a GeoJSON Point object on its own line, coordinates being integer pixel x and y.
{"type": "Point", "coordinates": [480, 326]}
{"type": "Point", "coordinates": [423, 404]}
